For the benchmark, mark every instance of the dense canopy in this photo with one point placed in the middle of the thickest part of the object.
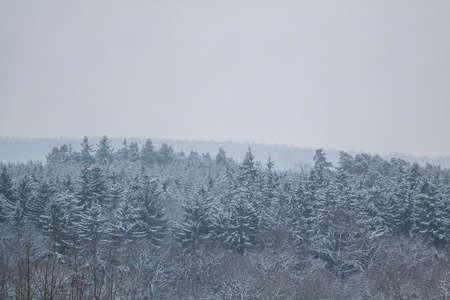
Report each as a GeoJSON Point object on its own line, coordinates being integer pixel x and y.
{"type": "Point", "coordinates": [140, 222]}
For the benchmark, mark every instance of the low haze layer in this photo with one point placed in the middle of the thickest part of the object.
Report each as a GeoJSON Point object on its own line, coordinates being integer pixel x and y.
{"type": "Point", "coordinates": [356, 75]}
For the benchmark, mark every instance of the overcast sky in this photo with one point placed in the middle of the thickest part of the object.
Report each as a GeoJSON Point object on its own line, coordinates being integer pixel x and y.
{"type": "Point", "coordinates": [346, 75]}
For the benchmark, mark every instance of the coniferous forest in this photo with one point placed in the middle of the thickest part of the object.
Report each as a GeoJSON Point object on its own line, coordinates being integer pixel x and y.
{"type": "Point", "coordinates": [146, 223]}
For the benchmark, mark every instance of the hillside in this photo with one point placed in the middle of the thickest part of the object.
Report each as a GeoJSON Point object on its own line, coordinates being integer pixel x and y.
{"type": "Point", "coordinates": [285, 157]}
{"type": "Point", "coordinates": [146, 222]}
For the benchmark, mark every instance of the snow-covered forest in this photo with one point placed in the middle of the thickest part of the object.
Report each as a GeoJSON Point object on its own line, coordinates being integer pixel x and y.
{"type": "Point", "coordinates": [146, 223]}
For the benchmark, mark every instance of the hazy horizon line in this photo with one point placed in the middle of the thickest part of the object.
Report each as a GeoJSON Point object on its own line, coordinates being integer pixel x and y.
{"type": "Point", "coordinates": [392, 153]}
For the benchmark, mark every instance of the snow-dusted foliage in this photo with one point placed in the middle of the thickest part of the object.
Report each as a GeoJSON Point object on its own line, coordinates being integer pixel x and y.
{"type": "Point", "coordinates": [147, 223]}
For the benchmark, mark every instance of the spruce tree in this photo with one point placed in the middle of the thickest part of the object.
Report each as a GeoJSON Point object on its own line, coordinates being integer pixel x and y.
{"type": "Point", "coordinates": [125, 224]}
{"type": "Point", "coordinates": [6, 184]}
{"type": "Point", "coordinates": [104, 153]}
{"type": "Point", "coordinates": [243, 225]}
{"type": "Point", "coordinates": [196, 224]}
{"type": "Point", "coordinates": [98, 186]}
{"type": "Point", "coordinates": [84, 193]}
{"type": "Point", "coordinates": [123, 153]}
{"type": "Point", "coordinates": [37, 207]}
{"type": "Point", "coordinates": [56, 220]}
{"type": "Point", "coordinates": [24, 197]}
{"type": "Point", "coordinates": [86, 155]}
{"type": "Point", "coordinates": [165, 155]}
{"type": "Point", "coordinates": [431, 214]}
{"type": "Point", "coordinates": [152, 217]}
{"type": "Point", "coordinates": [3, 209]}
{"type": "Point", "coordinates": [133, 152]}
{"type": "Point", "coordinates": [148, 153]}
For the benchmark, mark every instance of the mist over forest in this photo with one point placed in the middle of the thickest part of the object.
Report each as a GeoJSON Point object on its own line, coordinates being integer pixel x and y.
{"type": "Point", "coordinates": [310, 201]}
{"type": "Point", "coordinates": [141, 220]}
{"type": "Point", "coordinates": [24, 149]}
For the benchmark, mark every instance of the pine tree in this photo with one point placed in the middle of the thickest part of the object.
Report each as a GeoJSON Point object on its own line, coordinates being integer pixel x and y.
{"type": "Point", "coordinates": [125, 224]}
{"type": "Point", "coordinates": [92, 188]}
{"type": "Point", "coordinates": [379, 210]}
{"type": "Point", "coordinates": [165, 155]}
{"type": "Point", "coordinates": [343, 189]}
{"type": "Point", "coordinates": [59, 156]}
{"type": "Point", "coordinates": [299, 210]}
{"type": "Point", "coordinates": [152, 217]}
{"type": "Point", "coordinates": [403, 194]}
{"type": "Point", "coordinates": [92, 223]}
{"type": "Point", "coordinates": [123, 153]}
{"type": "Point", "coordinates": [221, 157]}
{"type": "Point", "coordinates": [269, 200]}
{"type": "Point", "coordinates": [37, 207]}
{"type": "Point", "coordinates": [221, 209]}
{"type": "Point", "coordinates": [86, 156]}
{"type": "Point", "coordinates": [24, 196]}
{"type": "Point", "coordinates": [53, 158]}
{"type": "Point", "coordinates": [65, 153]}
{"type": "Point", "coordinates": [322, 167]}
{"type": "Point", "coordinates": [56, 220]}
{"type": "Point", "coordinates": [67, 184]}
{"type": "Point", "coordinates": [148, 153]}
{"type": "Point", "coordinates": [248, 172]}
{"type": "Point", "coordinates": [242, 227]}
{"type": "Point", "coordinates": [3, 209]}
{"type": "Point", "coordinates": [98, 186]}
{"type": "Point", "coordinates": [337, 235]}
{"type": "Point", "coordinates": [197, 223]}
{"type": "Point", "coordinates": [346, 162]}
{"type": "Point", "coordinates": [115, 197]}
{"type": "Point", "coordinates": [431, 214]}
{"type": "Point", "coordinates": [414, 176]}
{"type": "Point", "coordinates": [133, 152]}
{"type": "Point", "coordinates": [6, 184]}
{"type": "Point", "coordinates": [104, 154]}
{"type": "Point", "coordinates": [84, 193]}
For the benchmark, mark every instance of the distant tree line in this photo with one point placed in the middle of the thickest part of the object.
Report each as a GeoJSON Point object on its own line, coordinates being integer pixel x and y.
{"type": "Point", "coordinates": [140, 222]}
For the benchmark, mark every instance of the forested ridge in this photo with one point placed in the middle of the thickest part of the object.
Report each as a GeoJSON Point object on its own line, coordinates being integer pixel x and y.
{"type": "Point", "coordinates": [22, 150]}
{"type": "Point", "coordinates": [144, 223]}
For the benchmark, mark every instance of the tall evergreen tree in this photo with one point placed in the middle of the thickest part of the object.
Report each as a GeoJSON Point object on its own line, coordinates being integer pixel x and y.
{"type": "Point", "coordinates": [56, 220]}
{"type": "Point", "coordinates": [431, 214]}
{"type": "Point", "coordinates": [84, 193]}
{"type": "Point", "coordinates": [123, 153]}
{"type": "Point", "coordinates": [243, 225]}
{"type": "Point", "coordinates": [115, 196]}
{"type": "Point", "coordinates": [98, 186]}
{"type": "Point", "coordinates": [3, 209]}
{"type": "Point", "coordinates": [221, 157]}
{"type": "Point", "coordinates": [125, 224]}
{"type": "Point", "coordinates": [104, 153]}
{"type": "Point", "coordinates": [165, 155]}
{"type": "Point", "coordinates": [133, 152]}
{"type": "Point", "coordinates": [298, 210]}
{"type": "Point", "coordinates": [86, 155]}
{"type": "Point", "coordinates": [148, 153]}
{"type": "Point", "coordinates": [6, 184]}
{"type": "Point", "coordinates": [269, 196]}
{"type": "Point", "coordinates": [91, 225]}
{"type": "Point", "coordinates": [24, 196]}
{"type": "Point", "coordinates": [197, 223]}
{"type": "Point", "coordinates": [379, 210]}
{"type": "Point", "coordinates": [152, 217]}
{"type": "Point", "coordinates": [60, 155]}
{"type": "Point", "coordinates": [54, 157]}
{"type": "Point", "coordinates": [37, 207]}
{"type": "Point", "coordinates": [322, 167]}
{"type": "Point", "coordinates": [248, 172]}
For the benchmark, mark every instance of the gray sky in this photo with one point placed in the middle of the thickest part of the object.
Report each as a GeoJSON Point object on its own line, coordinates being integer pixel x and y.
{"type": "Point", "coordinates": [362, 75]}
